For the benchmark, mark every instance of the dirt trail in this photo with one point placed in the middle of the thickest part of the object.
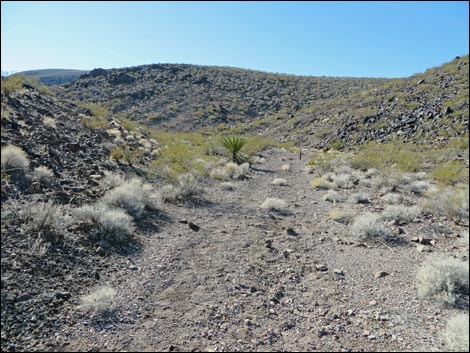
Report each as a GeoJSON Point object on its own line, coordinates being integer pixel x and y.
{"type": "Point", "coordinates": [243, 282]}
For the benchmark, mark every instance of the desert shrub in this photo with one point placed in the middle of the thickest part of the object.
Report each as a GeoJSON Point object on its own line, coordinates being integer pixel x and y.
{"type": "Point", "coordinates": [126, 153]}
{"type": "Point", "coordinates": [450, 173]}
{"type": "Point", "coordinates": [100, 299]}
{"type": "Point", "coordinates": [184, 189]}
{"type": "Point", "coordinates": [111, 224]}
{"type": "Point", "coordinates": [13, 157]}
{"type": "Point", "coordinates": [132, 196]}
{"type": "Point", "coordinates": [323, 162]}
{"type": "Point", "coordinates": [344, 181]}
{"type": "Point", "coordinates": [49, 122]}
{"type": "Point", "coordinates": [112, 180]}
{"type": "Point", "coordinates": [219, 174]}
{"type": "Point", "coordinates": [42, 174]}
{"type": "Point", "coordinates": [401, 214]}
{"type": "Point", "coordinates": [169, 193]}
{"type": "Point", "coordinates": [452, 203]}
{"type": "Point", "coordinates": [389, 182]}
{"type": "Point", "coordinates": [271, 203]}
{"type": "Point", "coordinates": [279, 181]}
{"type": "Point", "coordinates": [322, 184]}
{"type": "Point", "coordinates": [47, 220]}
{"type": "Point", "coordinates": [456, 334]}
{"type": "Point", "coordinates": [367, 226]}
{"type": "Point", "coordinates": [359, 197]}
{"type": "Point", "coordinates": [233, 170]}
{"type": "Point", "coordinates": [12, 83]}
{"type": "Point", "coordinates": [344, 216]}
{"type": "Point", "coordinates": [332, 196]}
{"type": "Point", "coordinates": [419, 187]}
{"type": "Point", "coordinates": [187, 186]}
{"type": "Point", "coordinates": [285, 167]}
{"type": "Point", "coordinates": [256, 144]}
{"type": "Point", "coordinates": [392, 198]}
{"type": "Point", "coordinates": [403, 156]}
{"type": "Point", "coordinates": [443, 280]}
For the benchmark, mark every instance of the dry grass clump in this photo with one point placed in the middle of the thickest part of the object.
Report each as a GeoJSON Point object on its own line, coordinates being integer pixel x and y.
{"type": "Point", "coordinates": [401, 214]}
{"type": "Point", "coordinates": [100, 299]}
{"type": "Point", "coordinates": [332, 196]}
{"type": "Point", "coordinates": [233, 170]}
{"type": "Point", "coordinates": [42, 174]}
{"type": "Point", "coordinates": [359, 197]}
{"type": "Point", "coordinates": [219, 174]}
{"type": "Point", "coordinates": [184, 189]}
{"type": "Point", "coordinates": [133, 196]}
{"type": "Point", "coordinates": [273, 204]}
{"type": "Point", "coordinates": [13, 157]}
{"type": "Point", "coordinates": [456, 334]}
{"type": "Point", "coordinates": [443, 280]}
{"type": "Point", "coordinates": [322, 184]}
{"type": "Point", "coordinates": [49, 122]}
{"type": "Point", "coordinates": [419, 187]}
{"type": "Point", "coordinates": [392, 198]}
{"type": "Point", "coordinates": [344, 181]}
{"type": "Point", "coordinates": [111, 224]}
{"type": "Point", "coordinates": [47, 220]}
{"type": "Point", "coordinates": [367, 226]}
{"type": "Point", "coordinates": [279, 181]}
{"type": "Point", "coordinates": [450, 202]}
{"type": "Point", "coordinates": [344, 216]}
{"type": "Point", "coordinates": [112, 180]}
{"type": "Point", "coordinates": [285, 167]}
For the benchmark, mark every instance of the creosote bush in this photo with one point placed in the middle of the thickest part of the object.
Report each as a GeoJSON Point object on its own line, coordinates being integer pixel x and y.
{"type": "Point", "coordinates": [443, 280]}
{"type": "Point", "coordinates": [401, 214]}
{"type": "Point", "coordinates": [13, 157]}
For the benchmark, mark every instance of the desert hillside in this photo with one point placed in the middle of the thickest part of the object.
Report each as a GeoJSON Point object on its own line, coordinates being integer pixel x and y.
{"type": "Point", "coordinates": [186, 208]}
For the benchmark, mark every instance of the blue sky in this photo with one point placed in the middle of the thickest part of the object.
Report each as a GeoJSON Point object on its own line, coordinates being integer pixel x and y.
{"type": "Point", "coordinates": [373, 39]}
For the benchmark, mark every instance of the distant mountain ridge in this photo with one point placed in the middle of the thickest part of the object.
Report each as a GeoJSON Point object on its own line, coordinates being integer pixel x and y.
{"type": "Point", "coordinates": [51, 77]}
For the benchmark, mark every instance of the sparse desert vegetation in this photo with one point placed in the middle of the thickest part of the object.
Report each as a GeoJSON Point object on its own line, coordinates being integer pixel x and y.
{"type": "Point", "coordinates": [311, 237]}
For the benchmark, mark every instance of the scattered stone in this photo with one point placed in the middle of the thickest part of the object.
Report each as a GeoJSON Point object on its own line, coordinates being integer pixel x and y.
{"type": "Point", "coordinates": [291, 231]}
{"type": "Point", "coordinates": [321, 267]}
{"type": "Point", "coordinates": [338, 272]}
{"type": "Point", "coordinates": [423, 249]}
{"type": "Point", "coordinates": [23, 297]}
{"type": "Point", "coordinates": [424, 241]}
{"type": "Point", "coordinates": [133, 267]}
{"type": "Point", "coordinates": [381, 274]}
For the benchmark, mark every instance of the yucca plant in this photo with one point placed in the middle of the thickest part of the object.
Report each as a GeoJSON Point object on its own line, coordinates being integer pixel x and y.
{"type": "Point", "coordinates": [233, 145]}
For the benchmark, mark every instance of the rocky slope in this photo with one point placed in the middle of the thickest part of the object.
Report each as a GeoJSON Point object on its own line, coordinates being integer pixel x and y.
{"type": "Point", "coordinates": [191, 97]}
{"type": "Point", "coordinates": [316, 111]}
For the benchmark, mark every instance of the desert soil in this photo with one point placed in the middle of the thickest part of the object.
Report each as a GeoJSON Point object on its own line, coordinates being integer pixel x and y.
{"type": "Point", "coordinates": [257, 280]}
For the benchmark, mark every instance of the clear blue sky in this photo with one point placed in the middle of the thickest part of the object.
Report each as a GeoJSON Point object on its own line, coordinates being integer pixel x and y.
{"type": "Point", "coordinates": [374, 39]}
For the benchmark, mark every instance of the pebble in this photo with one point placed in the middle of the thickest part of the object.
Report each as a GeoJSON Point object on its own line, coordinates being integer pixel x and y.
{"type": "Point", "coordinates": [381, 274]}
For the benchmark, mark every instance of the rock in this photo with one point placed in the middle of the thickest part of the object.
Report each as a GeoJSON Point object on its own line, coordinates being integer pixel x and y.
{"type": "Point", "coordinates": [424, 241]}
{"type": "Point", "coordinates": [291, 231]}
{"type": "Point", "coordinates": [372, 302]}
{"type": "Point", "coordinates": [23, 297]}
{"type": "Point", "coordinates": [104, 244]}
{"type": "Point", "coordinates": [423, 249]}
{"type": "Point", "coordinates": [133, 267]}
{"type": "Point", "coordinates": [338, 272]}
{"type": "Point", "coordinates": [62, 295]}
{"type": "Point", "coordinates": [381, 274]}
{"type": "Point", "coordinates": [321, 267]}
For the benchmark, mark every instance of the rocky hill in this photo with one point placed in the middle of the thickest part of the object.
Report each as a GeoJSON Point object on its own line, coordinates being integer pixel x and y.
{"type": "Point", "coordinates": [188, 97]}
{"type": "Point", "coordinates": [316, 111]}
